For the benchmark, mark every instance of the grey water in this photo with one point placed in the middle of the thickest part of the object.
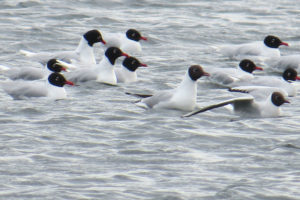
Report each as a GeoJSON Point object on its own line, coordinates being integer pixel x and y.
{"type": "Point", "coordinates": [97, 144]}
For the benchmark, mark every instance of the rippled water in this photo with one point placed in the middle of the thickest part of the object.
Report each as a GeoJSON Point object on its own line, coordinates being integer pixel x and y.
{"type": "Point", "coordinates": [98, 145]}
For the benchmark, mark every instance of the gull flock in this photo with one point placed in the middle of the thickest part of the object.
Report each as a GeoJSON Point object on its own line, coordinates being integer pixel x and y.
{"type": "Point", "coordinates": [265, 94]}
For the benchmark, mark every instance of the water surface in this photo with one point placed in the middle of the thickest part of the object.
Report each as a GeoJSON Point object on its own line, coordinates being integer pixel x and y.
{"type": "Point", "coordinates": [98, 145]}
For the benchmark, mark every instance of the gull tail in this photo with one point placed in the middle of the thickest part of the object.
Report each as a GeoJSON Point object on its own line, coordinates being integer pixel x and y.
{"type": "Point", "coordinates": [27, 53]}
{"type": "Point", "coordinates": [216, 48]}
{"type": "Point", "coordinates": [67, 65]}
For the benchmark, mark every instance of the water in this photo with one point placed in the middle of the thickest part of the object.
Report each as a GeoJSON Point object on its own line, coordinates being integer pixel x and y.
{"type": "Point", "coordinates": [98, 145]}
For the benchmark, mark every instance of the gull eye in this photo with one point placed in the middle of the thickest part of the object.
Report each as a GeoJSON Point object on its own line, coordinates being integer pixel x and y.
{"type": "Point", "coordinates": [115, 51]}
{"type": "Point", "coordinates": [53, 66]}
{"type": "Point", "coordinates": [278, 98]}
{"type": "Point", "coordinates": [133, 62]}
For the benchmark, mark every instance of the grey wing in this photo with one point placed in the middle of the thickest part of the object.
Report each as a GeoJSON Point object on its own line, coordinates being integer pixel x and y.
{"type": "Point", "coordinates": [258, 92]}
{"type": "Point", "coordinates": [66, 56]}
{"type": "Point", "coordinates": [158, 97]}
{"type": "Point", "coordinates": [221, 78]}
{"type": "Point", "coordinates": [43, 57]}
{"type": "Point", "coordinates": [292, 61]}
{"type": "Point", "coordinates": [81, 75]}
{"type": "Point", "coordinates": [39, 57]}
{"type": "Point", "coordinates": [236, 102]}
{"type": "Point", "coordinates": [27, 73]}
{"type": "Point", "coordinates": [23, 89]}
{"type": "Point", "coordinates": [247, 50]}
{"type": "Point", "coordinates": [244, 105]}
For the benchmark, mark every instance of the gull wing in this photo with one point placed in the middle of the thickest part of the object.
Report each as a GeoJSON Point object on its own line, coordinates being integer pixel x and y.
{"type": "Point", "coordinates": [81, 75]}
{"type": "Point", "coordinates": [237, 102]}
{"type": "Point", "coordinates": [25, 89]}
{"type": "Point", "coordinates": [258, 92]}
{"type": "Point", "coordinates": [159, 97]}
{"type": "Point", "coordinates": [139, 95]}
{"type": "Point", "coordinates": [43, 57]}
{"type": "Point", "coordinates": [26, 73]}
{"type": "Point", "coordinates": [221, 78]}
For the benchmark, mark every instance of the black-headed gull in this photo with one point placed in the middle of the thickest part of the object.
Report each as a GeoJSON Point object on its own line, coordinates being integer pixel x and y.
{"type": "Point", "coordinates": [228, 76]}
{"type": "Point", "coordinates": [127, 72]}
{"type": "Point", "coordinates": [51, 88]}
{"type": "Point", "coordinates": [267, 48]}
{"type": "Point", "coordinates": [103, 72]}
{"type": "Point", "coordinates": [260, 93]}
{"type": "Point", "coordinates": [84, 53]}
{"type": "Point", "coordinates": [181, 98]}
{"type": "Point", "coordinates": [128, 42]}
{"type": "Point", "coordinates": [34, 73]}
{"type": "Point", "coordinates": [284, 82]}
{"type": "Point", "coordinates": [253, 105]}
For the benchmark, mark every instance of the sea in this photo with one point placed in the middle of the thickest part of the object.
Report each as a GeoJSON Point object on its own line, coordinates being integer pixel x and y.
{"type": "Point", "coordinates": [97, 144]}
